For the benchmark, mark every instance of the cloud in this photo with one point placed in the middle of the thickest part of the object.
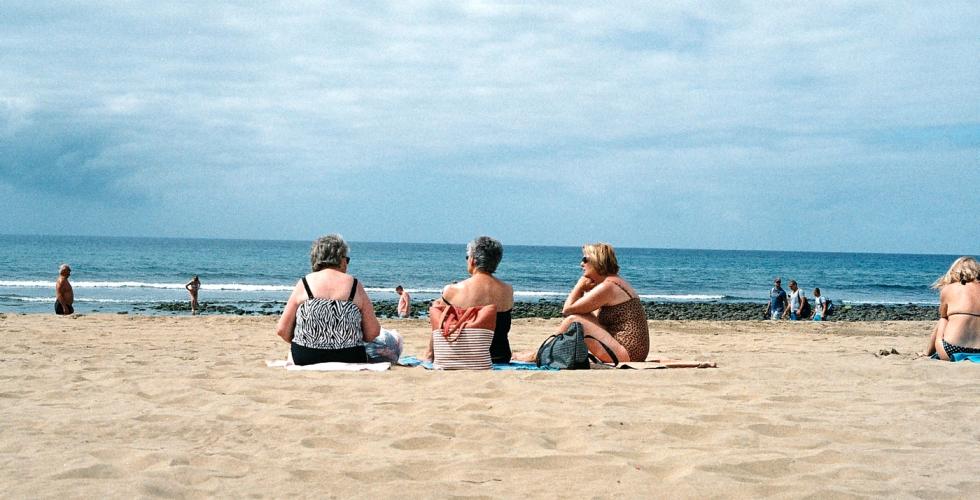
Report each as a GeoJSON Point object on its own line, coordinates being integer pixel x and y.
{"type": "Point", "coordinates": [62, 155]}
{"type": "Point", "coordinates": [249, 108]}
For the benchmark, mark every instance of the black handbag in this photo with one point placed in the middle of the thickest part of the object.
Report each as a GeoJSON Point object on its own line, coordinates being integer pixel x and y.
{"type": "Point", "coordinates": [567, 350]}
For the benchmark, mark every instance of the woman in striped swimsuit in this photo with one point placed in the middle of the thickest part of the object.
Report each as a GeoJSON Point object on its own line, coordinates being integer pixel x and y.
{"type": "Point", "coordinates": [958, 329]}
{"type": "Point", "coordinates": [483, 255]}
{"type": "Point", "coordinates": [329, 316]}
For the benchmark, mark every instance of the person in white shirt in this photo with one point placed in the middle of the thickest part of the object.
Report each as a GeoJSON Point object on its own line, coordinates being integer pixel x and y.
{"type": "Point", "coordinates": [820, 311]}
{"type": "Point", "coordinates": [796, 301]}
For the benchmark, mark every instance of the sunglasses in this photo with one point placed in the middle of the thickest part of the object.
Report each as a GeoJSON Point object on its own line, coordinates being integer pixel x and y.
{"type": "Point", "coordinates": [585, 260]}
{"type": "Point", "coordinates": [347, 259]}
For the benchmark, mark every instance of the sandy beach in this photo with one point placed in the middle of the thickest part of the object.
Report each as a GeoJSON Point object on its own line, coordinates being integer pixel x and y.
{"type": "Point", "coordinates": [127, 406]}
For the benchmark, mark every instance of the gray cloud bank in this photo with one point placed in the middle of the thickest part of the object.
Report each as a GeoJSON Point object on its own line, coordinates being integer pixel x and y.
{"type": "Point", "coordinates": [675, 124]}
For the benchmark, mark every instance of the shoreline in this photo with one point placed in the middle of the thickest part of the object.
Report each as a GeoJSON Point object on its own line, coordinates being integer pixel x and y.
{"type": "Point", "coordinates": [551, 309]}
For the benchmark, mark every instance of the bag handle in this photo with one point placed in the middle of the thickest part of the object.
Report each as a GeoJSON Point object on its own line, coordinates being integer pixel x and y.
{"type": "Point", "coordinates": [460, 319]}
{"type": "Point", "coordinates": [548, 342]}
{"type": "Point", "coordinates": [612, 355]}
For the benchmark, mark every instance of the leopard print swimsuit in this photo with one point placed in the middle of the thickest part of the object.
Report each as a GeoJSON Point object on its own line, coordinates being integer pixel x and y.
{"type": "Point", "coordinates": [627, 323]}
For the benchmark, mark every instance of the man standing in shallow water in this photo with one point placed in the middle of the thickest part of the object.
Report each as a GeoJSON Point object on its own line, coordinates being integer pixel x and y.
{"type": "Point", "coordinates": [64, 296]}
{"type": "Point", "coordinates": [404, 302]}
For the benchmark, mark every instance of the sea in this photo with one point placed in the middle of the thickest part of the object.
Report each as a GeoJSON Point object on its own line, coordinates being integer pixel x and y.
{"type": "Point", "coordinates": [119, 274]}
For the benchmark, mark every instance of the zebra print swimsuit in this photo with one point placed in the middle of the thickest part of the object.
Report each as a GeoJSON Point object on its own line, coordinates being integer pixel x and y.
{"type": "Point", "coordinates": [328, 330]}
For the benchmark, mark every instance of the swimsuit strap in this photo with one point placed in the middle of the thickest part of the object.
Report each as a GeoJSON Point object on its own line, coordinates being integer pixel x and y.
{"type": "Point", "coordinates": [353, 290]}
{"type": "Point", "coordinates": [307, 286]}
{"type": "Point", "coordinates": [623, 289]}
{"type": "Point", "coordinates": [444, 299]}
{"type": "Point", "coordinates": [966, 313]}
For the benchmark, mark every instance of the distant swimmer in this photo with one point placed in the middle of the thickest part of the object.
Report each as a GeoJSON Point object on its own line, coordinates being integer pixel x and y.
{"type": "Point", "coordinates": [64, 296]}
{"type": "Point", "coordinates": [192, 287]}
{"type": "Point", "coordinates": [404, 302]}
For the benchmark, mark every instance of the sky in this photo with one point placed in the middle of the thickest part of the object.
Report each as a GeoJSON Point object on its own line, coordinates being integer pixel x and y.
{"type": "Point", "coordinates": [824, 126]}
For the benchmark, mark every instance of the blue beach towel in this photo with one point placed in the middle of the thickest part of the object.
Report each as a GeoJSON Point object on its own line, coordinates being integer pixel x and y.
{"type": "Point", "coordinates": [513, 365]}
{"type": "Point", "coordinates": [521, 365]}
{"type": "Point", "coordinates": [960, 356]}
{"type": "Point", "coordinates": [965, 356]}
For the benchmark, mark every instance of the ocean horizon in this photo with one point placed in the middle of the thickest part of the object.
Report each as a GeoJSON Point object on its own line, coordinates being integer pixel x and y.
{"type": "Point", "coordinates": [117, 273]}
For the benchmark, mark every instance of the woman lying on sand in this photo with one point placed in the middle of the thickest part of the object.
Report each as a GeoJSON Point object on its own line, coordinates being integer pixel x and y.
{"type": "Point", "coordinates": [483, 288]}
{"type": "Point", "coordinates": [958, 329]}
{"type": "Point", "coordinates": [608, 308]}
{"type": "Point", "coordinates": [329, 316]}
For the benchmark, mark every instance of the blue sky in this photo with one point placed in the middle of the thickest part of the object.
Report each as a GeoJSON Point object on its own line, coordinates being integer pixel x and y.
{"type": "Point", "coordinates": [833, 126]}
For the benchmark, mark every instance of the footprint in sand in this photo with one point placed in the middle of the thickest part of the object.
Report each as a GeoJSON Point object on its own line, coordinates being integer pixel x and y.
{"type": "Point", "coordinates": [97, 471]}
{"type": "Point", "coordinates": [772, 468]}
{"type": "Point", "coordinates": [420, 443]}
{"type": "Point", "coordinates": [775, 430]}
{"type": "Point", "coordinates": [444, 430]}
{"type": "Point", "coordinates": [685, 431]}
{"type": "Point", "coordinates": [321, 443]}
{"type": "Point", "coordinates": [163, 489]}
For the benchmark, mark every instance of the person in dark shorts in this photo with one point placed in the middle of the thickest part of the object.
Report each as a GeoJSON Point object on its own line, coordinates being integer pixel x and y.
{"type": "Point", "coordinates": [64, 296]}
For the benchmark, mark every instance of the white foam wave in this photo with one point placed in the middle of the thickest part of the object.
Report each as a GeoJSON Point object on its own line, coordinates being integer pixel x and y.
{"type": "Point", "coordinates": [27, 284]}
{"type": "Point", "coordinates": [885, 303]}
{"type": "Point", "coordinates": [409, 290]}
{"type": "Point", "coordinates": [528, 293]}
{"type": "Point", "coordinates": [684, 297]}
{"type": "Point", "coordinates": [86, 299]}
{"type": "Point", "coordinates": [239, 287]}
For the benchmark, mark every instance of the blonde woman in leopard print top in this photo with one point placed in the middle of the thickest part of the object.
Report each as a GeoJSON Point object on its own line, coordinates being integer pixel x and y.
{"type": "Point", "coordinates": [608, 308]}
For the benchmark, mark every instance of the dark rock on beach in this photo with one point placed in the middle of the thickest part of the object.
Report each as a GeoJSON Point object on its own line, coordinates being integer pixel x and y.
{"type": "Point", "coordinates": [655, 310]}
{"type": "Point", "coordinates": [748, 311]}
{"type": "Point", "coordinates": [704, 311]}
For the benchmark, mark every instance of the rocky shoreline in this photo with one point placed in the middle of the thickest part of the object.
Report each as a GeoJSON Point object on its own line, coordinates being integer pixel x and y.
{"type": "Point", "coordinates": [655, 310]}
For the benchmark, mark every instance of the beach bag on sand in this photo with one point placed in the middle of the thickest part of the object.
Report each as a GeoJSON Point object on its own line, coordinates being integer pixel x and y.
{"type": "Point", "coordinates": [567, 351]}
{"type": "Point", "coordinates": [461, 336]}
{"type": "Point", "coordinates": [387, 347]}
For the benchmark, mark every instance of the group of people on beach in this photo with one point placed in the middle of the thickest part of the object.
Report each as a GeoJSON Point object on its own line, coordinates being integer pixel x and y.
{"type": "Point", "coordinates": [329, 317]}
{"type": "Point", "coordinates": [795, 306]}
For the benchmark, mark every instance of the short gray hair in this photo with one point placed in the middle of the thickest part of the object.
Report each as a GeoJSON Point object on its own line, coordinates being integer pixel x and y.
{"type": "Point", "coordinates": [486, 253]}
{"type": "Point", "coordinates": [328, 251]}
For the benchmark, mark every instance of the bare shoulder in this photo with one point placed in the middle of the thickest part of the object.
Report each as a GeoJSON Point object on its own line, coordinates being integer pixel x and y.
{"type": "Point", "coordinates": [949, 292]}
{"type": "Point", "coordinates": [604, 288]}
{"type": "Point", "coordinates": [507, 292]}
{"type": "Point", "coordinates": [450, 290]}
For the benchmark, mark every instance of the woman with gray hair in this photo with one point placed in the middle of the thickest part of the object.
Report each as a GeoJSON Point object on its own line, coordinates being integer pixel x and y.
{"type": "Point", "coordinates": [328, 316]}
{"type": "Point", "coordinates": [482, 288]}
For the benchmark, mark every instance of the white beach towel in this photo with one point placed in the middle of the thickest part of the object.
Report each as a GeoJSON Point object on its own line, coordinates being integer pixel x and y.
{"type": "Point", "coordinates": [329, 367]}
